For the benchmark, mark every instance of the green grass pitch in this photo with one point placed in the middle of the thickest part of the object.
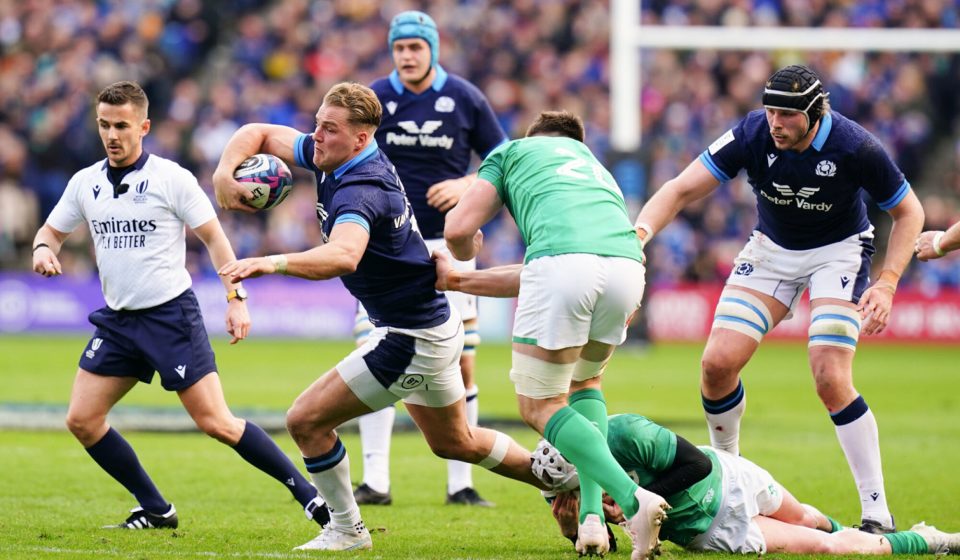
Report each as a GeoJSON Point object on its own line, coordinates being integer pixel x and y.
{"type": "Point", "coordinates": [53, 497]}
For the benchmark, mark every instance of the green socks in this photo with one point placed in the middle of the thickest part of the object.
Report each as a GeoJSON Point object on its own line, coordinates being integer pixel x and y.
{"type": "Point", "coordinates": [591, 405]}
{"type": "Point", "coordinates": [584, 446]}
{"type": "Point", "coordinates": [907, 542]}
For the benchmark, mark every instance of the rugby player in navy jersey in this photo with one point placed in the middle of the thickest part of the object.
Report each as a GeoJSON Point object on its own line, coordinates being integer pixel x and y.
{"type": "Point", "coordinates": [808, 166]}
{"type": "Point", "coordinates": [135, 205]}
{"type": "Point", "coordinates": [432, 123]}
{"type": "Point", "coordinates": [372, 244]}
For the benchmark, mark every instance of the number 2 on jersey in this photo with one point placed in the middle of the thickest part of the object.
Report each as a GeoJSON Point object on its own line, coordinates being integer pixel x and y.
{"type": "Point", "coordinates": [573, 167]}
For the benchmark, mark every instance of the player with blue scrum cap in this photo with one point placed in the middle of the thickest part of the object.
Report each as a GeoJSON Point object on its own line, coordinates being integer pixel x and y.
{"type": "Point", "coordinates": [432, 123]}
{"type": "Point", "coordinates": [373, 246]}
{"type": "Point", "coordinates": [808, 166]}
{"type": "Point", "coordinates": [136, 205]}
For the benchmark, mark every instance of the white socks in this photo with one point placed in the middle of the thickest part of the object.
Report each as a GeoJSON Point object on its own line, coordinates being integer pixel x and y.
{"type": "Point", "coordinates": [335, 489]}
{"type": "Point", "coordinates": [376, 429]}
{"type": "Point", "coordinates": [723, 420]}
{"type": "Point", "coordinates": [860, 442]}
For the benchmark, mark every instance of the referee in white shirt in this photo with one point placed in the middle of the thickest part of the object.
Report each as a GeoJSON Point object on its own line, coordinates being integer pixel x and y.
{"type": "Point", "coordinates": [135, 205]}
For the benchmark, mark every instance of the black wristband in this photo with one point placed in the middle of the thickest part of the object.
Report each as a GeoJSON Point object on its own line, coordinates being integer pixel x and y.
{"type": "Point", "coordinates": [38, 245]}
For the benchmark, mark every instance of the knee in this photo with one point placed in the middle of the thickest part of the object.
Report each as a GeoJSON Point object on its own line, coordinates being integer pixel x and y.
{"type": "Point", "coordinates": [84, 427]}
{"type": "Point", "coordinates": [718, 366]}
{"type": "Point", "coordinates": [456, 448]}
{"type": "Point", "coordinates": [834, 391]}
{"type": "Point", "coordinates": [299, 422]}
{"type": "Point", "coordinates": [225, 430]}
{"type": "Point", "coordinates": [828, 545]}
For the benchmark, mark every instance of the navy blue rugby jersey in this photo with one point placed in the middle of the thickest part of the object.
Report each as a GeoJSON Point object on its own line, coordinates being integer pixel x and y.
{"type": "Point", "coordinates": [395, 278]}
{"type": "Point", "coordinates": [429, 136]}
{"type": "Point", "coordinates": [813, 198]}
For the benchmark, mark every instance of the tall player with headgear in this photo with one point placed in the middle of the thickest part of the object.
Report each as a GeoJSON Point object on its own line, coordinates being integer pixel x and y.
{"type": "Point", "coordinates": [433, 122]}
{"type": "Point", "coordinates": [808, 166]}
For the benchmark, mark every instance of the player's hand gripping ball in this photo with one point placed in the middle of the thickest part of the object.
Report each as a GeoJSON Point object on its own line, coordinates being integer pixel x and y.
{"type": "Point", "coordinates": [267, 177]}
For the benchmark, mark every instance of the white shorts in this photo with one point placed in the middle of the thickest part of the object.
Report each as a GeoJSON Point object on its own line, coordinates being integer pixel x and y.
{"type": "Point", "coordinates": [566, 300]}
{"type": "Point", "coordinates": [466, 304]}
{"type": "Point", "coordinates": [748, 491]}
{"type": "Point", "coordinates": [418, 366]}
{"type": "Point", "coordinates": [839, 270]}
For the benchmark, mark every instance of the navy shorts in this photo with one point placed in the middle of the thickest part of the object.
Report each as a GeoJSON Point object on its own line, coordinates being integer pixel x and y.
{"type": "Point", "coordinates": [169, 338]}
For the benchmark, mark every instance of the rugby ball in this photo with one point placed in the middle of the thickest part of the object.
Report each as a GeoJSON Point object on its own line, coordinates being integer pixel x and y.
{"type": "Point", "coordinates": [267, 177]}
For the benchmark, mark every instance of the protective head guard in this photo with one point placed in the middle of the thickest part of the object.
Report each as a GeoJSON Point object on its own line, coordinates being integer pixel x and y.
{"type": "Point", "coordinates": [416, 25]}
{"type": "Point", "coordinates": [553, 469]}
{"type": "Point", "coordinates": [796, 88]}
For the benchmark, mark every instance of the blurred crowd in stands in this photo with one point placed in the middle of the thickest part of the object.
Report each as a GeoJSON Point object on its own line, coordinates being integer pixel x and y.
{"type": "Point", "coordinates": [211, 66]}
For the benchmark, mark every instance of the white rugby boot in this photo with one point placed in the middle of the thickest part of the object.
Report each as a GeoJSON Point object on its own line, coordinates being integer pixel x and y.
{"type": "Point", "coordinates": [938, 542]}
{"type": "Point", "coordinates": [333, 538]}
{"type": "Point", "coordinates": [644, 527]}
{"type": "Point", "coordinates": [592, 539]}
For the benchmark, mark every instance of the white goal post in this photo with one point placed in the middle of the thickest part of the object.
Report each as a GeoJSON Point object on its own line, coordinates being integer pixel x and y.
{"type": "Point", "coordinates": [627, 37]}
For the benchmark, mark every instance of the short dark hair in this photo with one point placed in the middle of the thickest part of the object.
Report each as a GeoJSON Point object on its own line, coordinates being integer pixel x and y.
{"type": "Point", "coordinates": [360, 102]}
{"type": "Point", "coordinates": [557, 123]}
{"type": "Point", "coordinates": [121, 93]}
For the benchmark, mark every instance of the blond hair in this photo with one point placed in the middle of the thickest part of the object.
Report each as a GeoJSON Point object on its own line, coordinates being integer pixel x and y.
{"type": "Point", "coordinates": [361, 103]}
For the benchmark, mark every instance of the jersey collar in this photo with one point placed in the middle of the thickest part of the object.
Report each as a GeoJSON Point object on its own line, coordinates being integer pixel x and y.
{"type": "Point", "coordinates": [138, 165]}
{"type": "Point", "coordinates": [826, 124]}
{"type": "Point", "coordinates": [439, 81]}
{"type": "Point", "coordinates": [356, 160]}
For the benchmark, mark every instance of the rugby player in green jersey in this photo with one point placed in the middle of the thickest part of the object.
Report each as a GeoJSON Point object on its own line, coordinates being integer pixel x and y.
{"type": "Point", "coordinates": [581, 281]}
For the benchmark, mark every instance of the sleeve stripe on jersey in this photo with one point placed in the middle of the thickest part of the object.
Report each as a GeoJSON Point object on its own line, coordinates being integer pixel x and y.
{"type": "Point", "coordinates": [712, 168]}
{"type": "Point", "coordinates": [896, 198]}
{"type": "Point", "coordinates": [353, 219]}
{"type": "Point", "coordinates": [298, 150]}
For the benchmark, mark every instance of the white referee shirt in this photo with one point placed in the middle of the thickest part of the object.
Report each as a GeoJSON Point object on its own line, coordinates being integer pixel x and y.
{"type": "Point", "coordinates": [138, 236]}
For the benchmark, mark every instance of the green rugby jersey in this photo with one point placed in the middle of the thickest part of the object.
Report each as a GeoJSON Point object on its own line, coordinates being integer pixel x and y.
{"type": "Point", "coordinates": [645, 449]}
{"type": "Point", "coordinates": [562, 199]}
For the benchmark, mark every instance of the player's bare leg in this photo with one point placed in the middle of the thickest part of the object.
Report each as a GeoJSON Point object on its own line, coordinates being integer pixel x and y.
{"type": "Point", "coordinates": [312, 422]}
{"type": "Point", "coordinates": [205, 403]}
{"type": "Point", "coordinates": [91, 399]}
{"type": "Point", "coordinates": [743, 316]}
{"type": "Point", "coordinates": [856, 426]}
{"type": "Point", "coordinates": [460, 489]}
{"type": "Point", "coordinates": [784, 537]}
{"type": "Point", "coordinates": [449, 437]}
{"type": "Point", "coordinates": [536, 372]}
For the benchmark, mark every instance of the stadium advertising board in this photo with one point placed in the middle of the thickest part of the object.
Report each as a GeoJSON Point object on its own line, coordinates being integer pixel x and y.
{"type": "Point", "coordinates": [686, 313]}
{"type": "Point", "coordinates": [278, 306]}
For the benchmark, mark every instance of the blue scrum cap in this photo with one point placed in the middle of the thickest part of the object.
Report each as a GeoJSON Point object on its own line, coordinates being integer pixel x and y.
{"type": "Point", "coordinates": [416, 25]}
{"type": "Point", "coordinates": [796, 88]}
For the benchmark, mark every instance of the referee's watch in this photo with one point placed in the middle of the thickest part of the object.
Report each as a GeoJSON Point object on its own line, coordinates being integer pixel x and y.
{"type": "Point", "coordinates": [240, 293]}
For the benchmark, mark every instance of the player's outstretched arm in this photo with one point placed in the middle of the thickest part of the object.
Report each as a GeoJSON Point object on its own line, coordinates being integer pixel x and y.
{"type": "Point", "coordinates": [934, 244]}
{"type": "Point", "coordinates": [339, 256]}
{"type": "Point", "coordinates": [46, 247]}
{"type": "Point", "coordinates": [221, 253]}
{"type": "Point", "coordinates": [693, 183]}
{"type": "Point", "coordinates": [479, 204]}
{"type": "Point", "coordinates": [877, 301]}
{"type": "Point", "coordinates": [250, 139]}
{"type": "Point", "coordinates": [500, 281]}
